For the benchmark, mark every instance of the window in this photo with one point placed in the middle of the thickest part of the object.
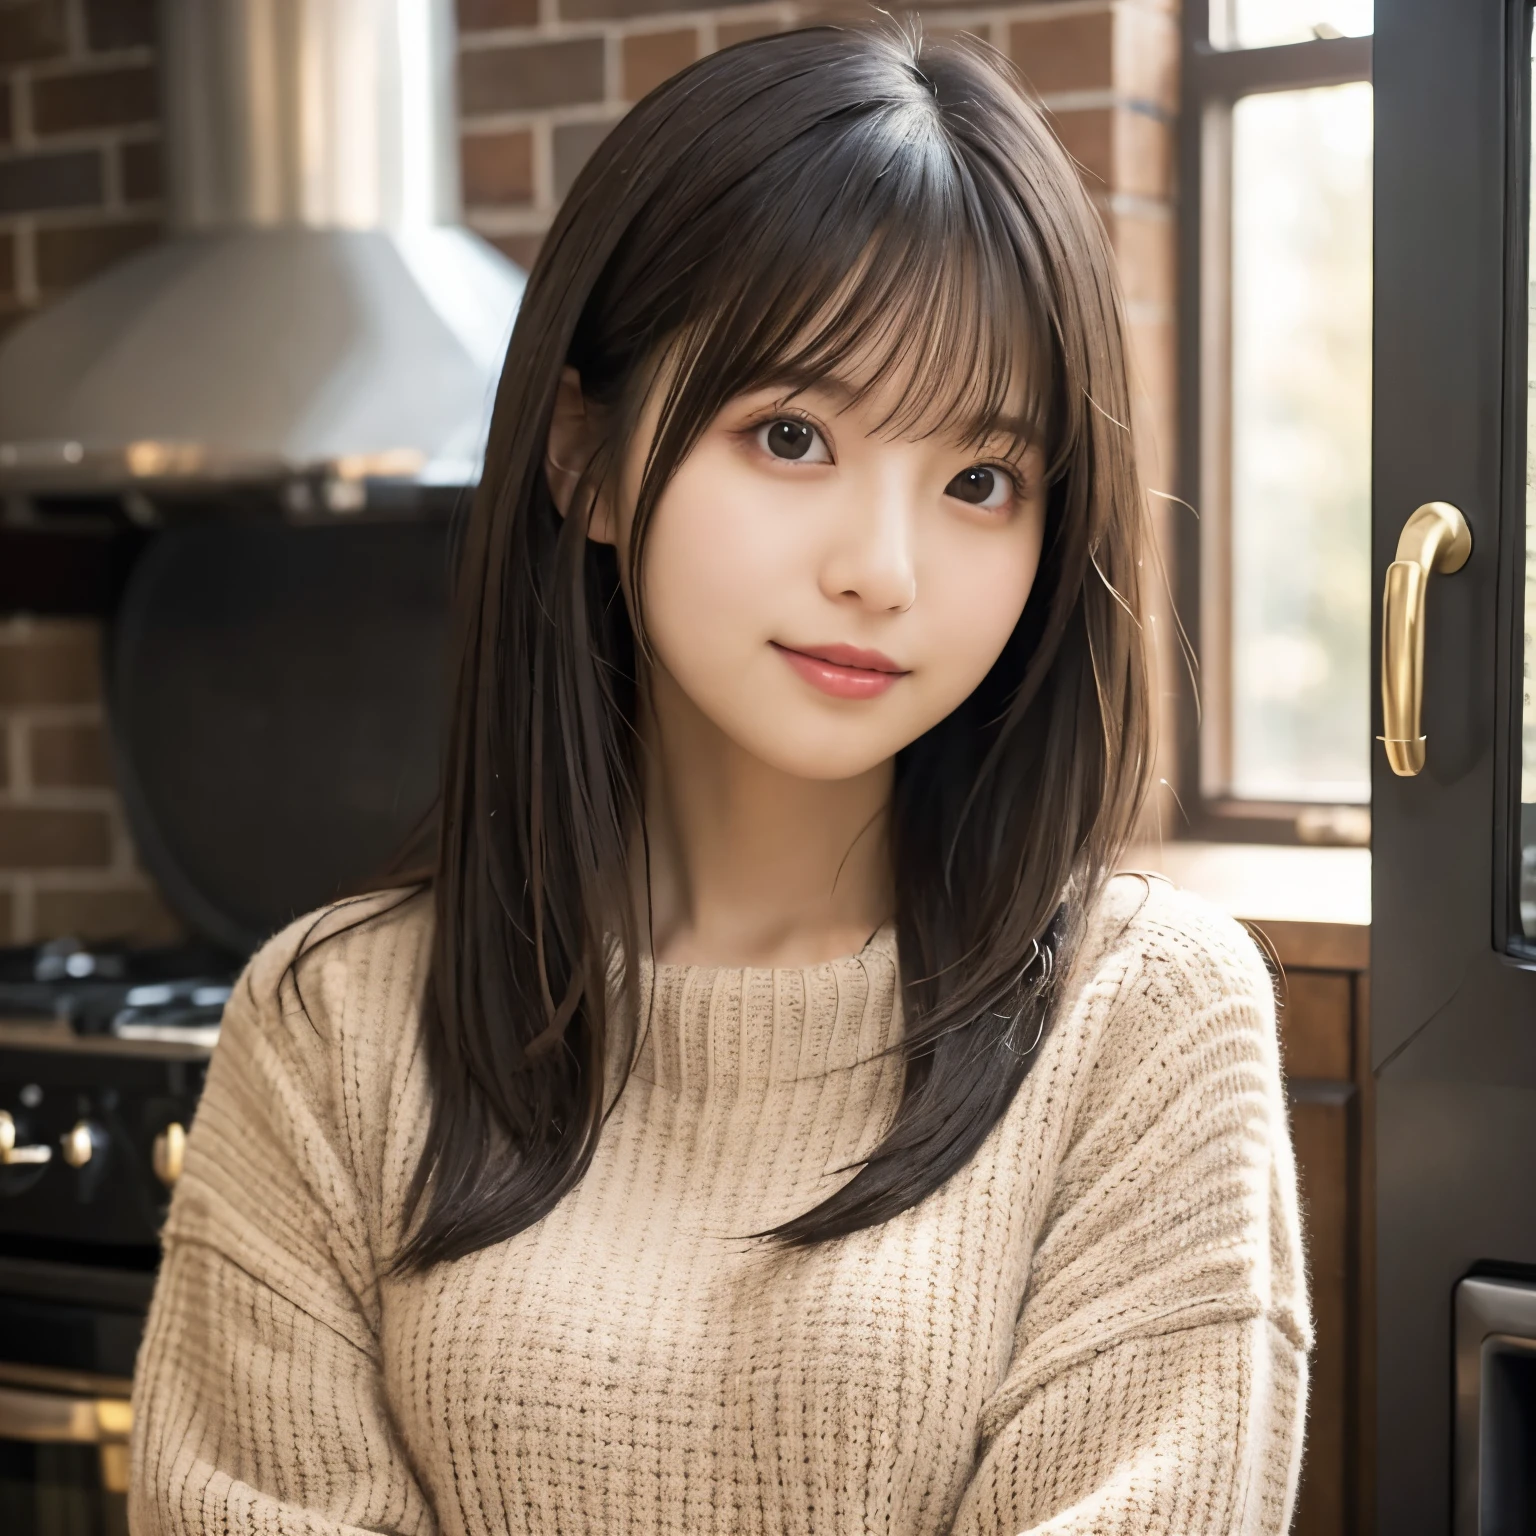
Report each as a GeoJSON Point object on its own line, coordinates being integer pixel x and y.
{"type": "Point", "coordinates": [1274, 565]}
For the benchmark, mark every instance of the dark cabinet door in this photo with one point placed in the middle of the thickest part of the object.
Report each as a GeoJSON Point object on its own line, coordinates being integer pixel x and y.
{"type": "Point", "coordinates": [1453, 952]}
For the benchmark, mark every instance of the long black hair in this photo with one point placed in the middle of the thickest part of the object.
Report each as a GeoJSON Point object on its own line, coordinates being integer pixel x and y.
{"type": "Point", "coordinates": [777, 210]}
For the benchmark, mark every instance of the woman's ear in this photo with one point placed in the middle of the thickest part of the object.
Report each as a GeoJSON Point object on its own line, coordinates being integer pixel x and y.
{"type": "Point", "coordinates": [568, 451]}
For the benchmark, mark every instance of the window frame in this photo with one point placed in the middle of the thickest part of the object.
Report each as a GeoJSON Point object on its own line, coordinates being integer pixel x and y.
{"type": "Point", "coordinates": [1213, 79]}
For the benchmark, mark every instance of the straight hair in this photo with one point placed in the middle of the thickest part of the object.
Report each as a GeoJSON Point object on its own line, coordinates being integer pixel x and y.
{"type": "Point", "coordinates": [791, 208]}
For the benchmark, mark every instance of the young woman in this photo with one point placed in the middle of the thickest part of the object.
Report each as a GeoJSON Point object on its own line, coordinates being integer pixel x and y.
{"type": "Point", "coordinates": [771, 1116]}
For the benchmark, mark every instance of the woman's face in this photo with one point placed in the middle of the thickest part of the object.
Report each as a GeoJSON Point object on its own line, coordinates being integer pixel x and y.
{"type": "Point", "coordinates": [823, 591]}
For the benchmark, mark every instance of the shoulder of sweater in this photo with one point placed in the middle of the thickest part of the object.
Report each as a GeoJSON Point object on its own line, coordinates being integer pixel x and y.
{"type": "Point", "coordinates": [309, 977]}
{"type": "Point", "coordinates": [1157, 962]}
{"type": "Point", "coordinates": [1145, 919]}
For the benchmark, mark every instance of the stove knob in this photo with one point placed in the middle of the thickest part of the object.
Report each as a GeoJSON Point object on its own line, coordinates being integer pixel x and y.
{"type": "Point", "coordinates": [170, 1148]}
{"type": "Point", "coordinates": [82, 1143]}
{"type": "Point", "coordinates": [10, 1153]}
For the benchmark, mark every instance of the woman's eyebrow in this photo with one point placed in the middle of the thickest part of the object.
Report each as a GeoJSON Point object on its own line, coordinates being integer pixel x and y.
{"type": "Point", "coordinates": [1020, 429]}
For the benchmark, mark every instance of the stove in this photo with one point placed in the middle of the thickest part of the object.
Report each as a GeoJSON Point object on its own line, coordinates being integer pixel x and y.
{"type": "Point", "coordinates": [103, 1053]}
{"type": "Point", "coordinates": [273, 706]}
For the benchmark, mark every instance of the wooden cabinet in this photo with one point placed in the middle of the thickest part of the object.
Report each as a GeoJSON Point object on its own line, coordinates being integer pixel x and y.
{"type": "Point", "coordinates": [1323, 1023]}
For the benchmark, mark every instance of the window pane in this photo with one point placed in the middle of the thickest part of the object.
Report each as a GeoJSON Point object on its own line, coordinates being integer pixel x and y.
{"type": "Point", "coordinates": [1301, 424]}
{"type": "Point", "coordinates": [1262, 23]}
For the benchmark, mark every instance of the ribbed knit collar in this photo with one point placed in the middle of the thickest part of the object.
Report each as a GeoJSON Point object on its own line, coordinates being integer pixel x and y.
{"type": "Point", "coordinates": [740, 1031]}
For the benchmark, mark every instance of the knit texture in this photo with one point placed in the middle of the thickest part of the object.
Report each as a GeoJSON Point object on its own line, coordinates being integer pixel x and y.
{"type": "Point", "coordinates": [1099, 1325]}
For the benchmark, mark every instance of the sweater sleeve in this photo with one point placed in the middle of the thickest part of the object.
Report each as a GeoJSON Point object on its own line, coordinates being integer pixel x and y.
{"type": "Point", "coordinates": [258, 1401]}
{"type": "Point", "coordinates": [1158, 1382]}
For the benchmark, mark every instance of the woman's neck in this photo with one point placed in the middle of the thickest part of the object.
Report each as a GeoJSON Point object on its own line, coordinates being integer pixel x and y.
{"type": "Point", "coordinates": [750, 865]}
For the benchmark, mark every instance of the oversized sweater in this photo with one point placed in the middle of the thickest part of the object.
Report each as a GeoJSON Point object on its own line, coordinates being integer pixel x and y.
{"type": "Point", "coordinates": [1098, 1325]}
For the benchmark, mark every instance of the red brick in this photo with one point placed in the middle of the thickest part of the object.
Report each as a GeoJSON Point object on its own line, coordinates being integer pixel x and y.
{"type": "Point", "coordinates": [54, 661]}
{"type": "Point", "coordinates": [1065, 53]}
{"type": "Point", "coordinates": [142, 171]}
{"type": "Point", "coordinates": [606, 10]}
{"type": "Point", "coordinates": [120, 23]}
{"type": "Point", "coordinates": [1147, 57]}
{"type": "Point", "coordinates": [497, 167]}
{"type": "Point", "coordinates": [68, 256]}
{"type": "Point", "coordinates": [1144, 248]}
{"type": "Point", "coordinates": [1118, 149]}
{"type": "Point", "coordinates": [523, 249]}
{"type": "Point", "coordinates": [533, 75]}
{"type": "Point", "coordinates": [98, 98]}
{"type": "Point", "coordinates": [12, 313]}
{"type": "Point", "coordinates": [729, 33]}
{"type": "Point", "coordinates": [70, 756]}
{"type": "Point", "coordinates": [1143, 154]}
{"type": "Point", "coordinates": [1154, 387]}
{"type": "Point", "coordinates": [486, 15]}
{"type": "Point", "coordinates": [1089, 137]}
{"type": "Point", "coordinates": [36, 30]}
{"type": "Point", "coordinates": [64, 179]}
{"type": "Point", "coordinates": [648, 58]}
{"type": "Point", "coordinates": [139, 916]}
{"type": "Point", "coordinates": [975, 32]}
{"type": "Point", "coordinates": [34, 837]}
{"type": "Point", "coordinates": [574, 143]}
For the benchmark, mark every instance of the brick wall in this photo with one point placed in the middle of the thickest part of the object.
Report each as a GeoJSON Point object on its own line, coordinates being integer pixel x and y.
{"type": "Point", "coordinates": [79, 188]}
{"type": "Point", "coordinates": [540, 82]}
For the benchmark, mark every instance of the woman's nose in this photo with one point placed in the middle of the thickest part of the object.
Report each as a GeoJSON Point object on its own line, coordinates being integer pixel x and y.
{"type": "Point", "coordinates": [872, 560]}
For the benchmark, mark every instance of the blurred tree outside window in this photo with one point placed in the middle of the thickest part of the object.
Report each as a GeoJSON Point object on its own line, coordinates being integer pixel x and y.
{"type": "Point", "coordinates": [1301, 444]}
{"type": "Point", "coordinates": [1266, 23]}
{"type": "Point", "coordinates": [1275, 451]}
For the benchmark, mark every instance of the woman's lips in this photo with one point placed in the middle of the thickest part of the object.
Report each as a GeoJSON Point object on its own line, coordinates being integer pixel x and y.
{"type": "Point", "coordinates": [844, 671]}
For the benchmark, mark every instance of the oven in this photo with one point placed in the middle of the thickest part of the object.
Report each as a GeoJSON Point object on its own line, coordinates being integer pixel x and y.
{"type": "Point", "coordinates": [91, 1134]}
{"type": "Point", "coordinates": [274, 699]}
{"type": "Point", "coordinates": [68, 1335]}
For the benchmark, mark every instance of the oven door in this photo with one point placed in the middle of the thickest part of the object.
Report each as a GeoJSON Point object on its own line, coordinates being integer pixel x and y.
{"type": "Point", "coordinates": [63, 1453]}
{"type": "Point", "coordinates": [69, 1332]}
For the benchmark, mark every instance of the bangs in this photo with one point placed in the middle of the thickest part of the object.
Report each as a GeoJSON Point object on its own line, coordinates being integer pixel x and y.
{"type": "Point", "coordinates": [872, 253]}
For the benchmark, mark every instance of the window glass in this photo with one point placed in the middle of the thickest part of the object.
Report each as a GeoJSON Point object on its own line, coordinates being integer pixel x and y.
{"type": "Point", "coordinates": [1300, 597]}
{"type": "Point", "coordinates": [1263, 23]}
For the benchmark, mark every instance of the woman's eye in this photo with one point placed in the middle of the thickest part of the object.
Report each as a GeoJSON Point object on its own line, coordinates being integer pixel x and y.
{"type": "Point", "coordinates": [787, 438]}
{"type": "Point", "coordinates": [981, 486]}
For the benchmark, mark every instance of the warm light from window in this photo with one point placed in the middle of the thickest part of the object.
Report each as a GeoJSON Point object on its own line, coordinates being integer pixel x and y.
{"type": "Point", "coordinates": [1301, 423]}
{"type": "Point", "coordinates": [1263, 23]}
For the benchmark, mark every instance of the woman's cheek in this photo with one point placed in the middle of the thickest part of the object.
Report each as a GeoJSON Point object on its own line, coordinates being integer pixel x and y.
{"type": "Point", "coordinates": [975, 599]}
{"type": "Point", "coordinates": [711, 567]}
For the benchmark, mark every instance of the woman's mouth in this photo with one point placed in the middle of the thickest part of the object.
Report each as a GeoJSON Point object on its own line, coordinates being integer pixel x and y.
{"type": "Point", "coordinates": [843, 671]}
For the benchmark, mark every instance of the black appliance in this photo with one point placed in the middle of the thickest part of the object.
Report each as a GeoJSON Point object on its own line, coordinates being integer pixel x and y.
{"type": "Point", "coordinates": [274, 699]}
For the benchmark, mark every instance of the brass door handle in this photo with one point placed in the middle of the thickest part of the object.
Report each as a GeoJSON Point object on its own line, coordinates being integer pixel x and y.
{"type": "Point", "coordinates": [1435, 538]}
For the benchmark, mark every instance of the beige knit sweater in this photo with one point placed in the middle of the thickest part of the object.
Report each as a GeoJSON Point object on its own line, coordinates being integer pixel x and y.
{"type": "Point", "coordinates": [1099, 1325]}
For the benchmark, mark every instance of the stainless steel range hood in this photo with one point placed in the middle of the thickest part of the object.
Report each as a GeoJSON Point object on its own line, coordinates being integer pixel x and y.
{"type": "Point", "coordinates": [317, 316]}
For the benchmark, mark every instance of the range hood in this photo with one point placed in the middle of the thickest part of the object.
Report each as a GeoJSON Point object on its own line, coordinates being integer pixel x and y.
{"type": "Point", "coordinates": [317, 319]}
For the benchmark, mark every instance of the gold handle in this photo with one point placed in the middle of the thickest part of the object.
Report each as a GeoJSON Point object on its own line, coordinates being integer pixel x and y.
{"type": "Point", "coordinates": [1435, 538]}
{"type": "Point", "coordinates": [80, 1143]}
{"type": "Point", "coordinates": [10, 1153]}
{"type": "Point", "coordinates": [170, 1148]}
{"type": "Point", "coordinates": [62, 1418]}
